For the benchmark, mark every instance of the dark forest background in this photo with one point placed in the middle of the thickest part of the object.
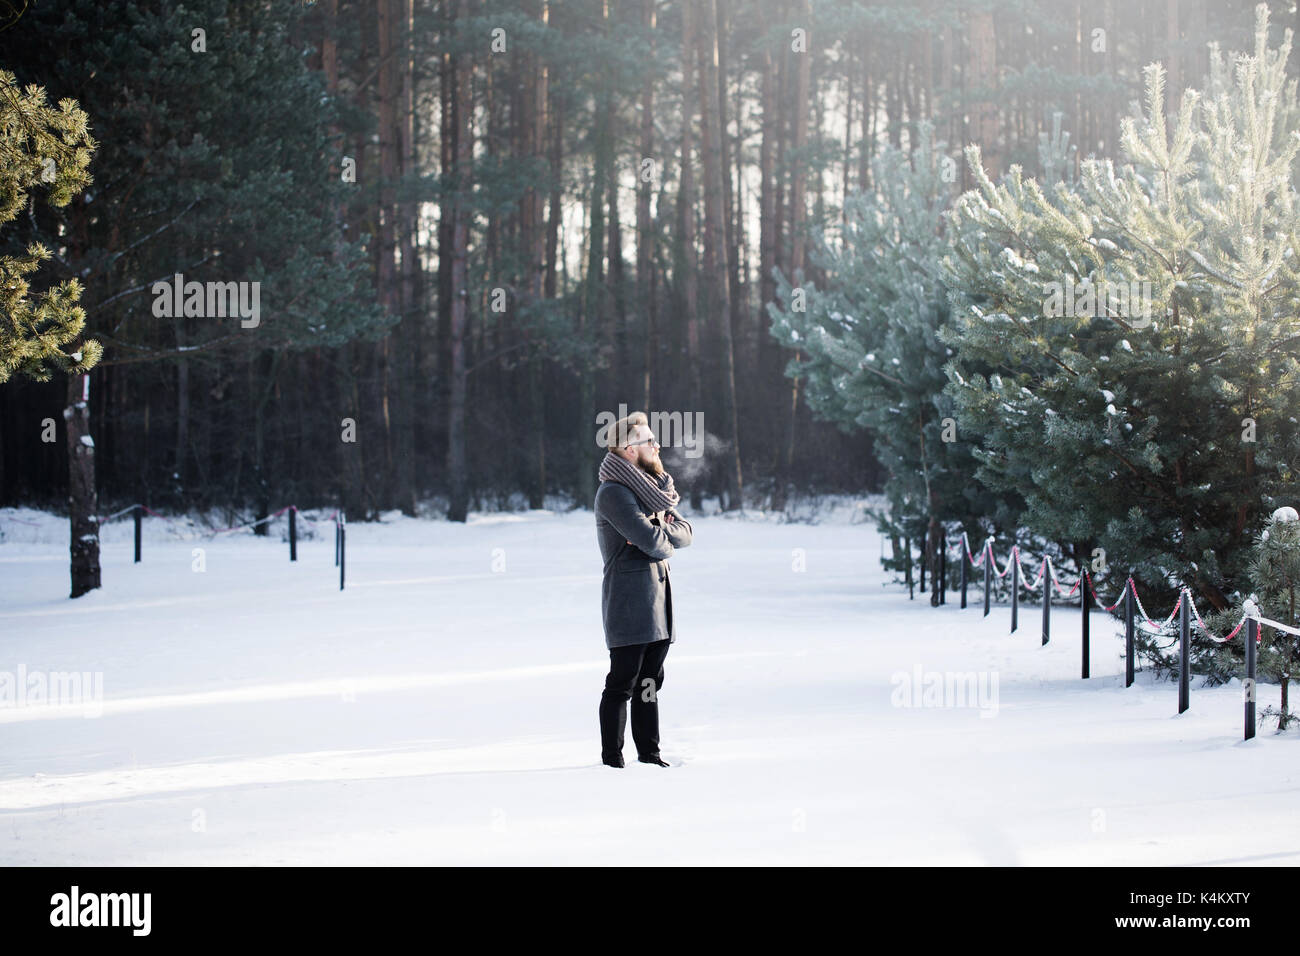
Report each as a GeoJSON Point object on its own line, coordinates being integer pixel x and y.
{"type": "Point", "coordinates": [558, 206]}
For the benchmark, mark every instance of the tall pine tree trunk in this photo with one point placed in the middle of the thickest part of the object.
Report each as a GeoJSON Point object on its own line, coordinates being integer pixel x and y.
{"type": "Point", "coordinates": [730, 195]}
{"type": "Point", "coordinates": [742, 265]}
{"type": "Point", "coordinates": [1173, 58]}
{"type": "Point", "coordinates": [407, 217]}
{"type": "Point", "coordinates": [984, 75]}
{"type": "Point", "coordinates": [867, 145]}
{"type": "Point", "coordinates": [617, 287]}
{"type": "Point", "coordinates": [768, 349]}
{"type": "Point", "coordinates": [462, 74]}
{"type": "Point", "coordinates": [83, 504]}
{"type": "Point", "coordinates": [391, 350]}
{"type": "Point", "coordinates": [180, 469]}
{"type": "Point", "coordinates": [644, 238]}
{"type": "Point", "coordinates": [446, 163]}
{"type": "Point", "coordinates": [716, 268]}
{"type": "Point", "coordinates": [534, 241]}
{"type": "Point", "coordinates": [261, 381]}
{"type": "Point", "coordinates": [780, 259]}
{"type": "Point", "coordinates": [946, 97]}
{"type": "Point", "coordinates": [593, 318]}
{"type": "Point", "coordinates": [686, 224]}
{"type": "Point", "coordinates": [798, 214]}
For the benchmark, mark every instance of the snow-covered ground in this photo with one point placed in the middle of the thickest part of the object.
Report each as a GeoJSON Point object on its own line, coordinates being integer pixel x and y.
{"type": "Point", "coordinates": [442, 710]}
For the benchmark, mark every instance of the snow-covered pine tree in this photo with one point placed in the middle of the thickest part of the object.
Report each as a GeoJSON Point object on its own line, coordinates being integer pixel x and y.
{"type": "Point", "coordinates": [1274, 571]}
{"type": "Point", "coordinates": [872, 358]}
{"type": "Point", "coordinates": [47, 150]}
{"type": "Point", "coordinates": [1163, 438]}
{"type": "Point", "coordinates": [43, 149]}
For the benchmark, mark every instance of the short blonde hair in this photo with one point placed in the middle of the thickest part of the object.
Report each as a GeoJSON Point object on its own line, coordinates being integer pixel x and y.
{"type": "Point", "coordinates": [621, 430]}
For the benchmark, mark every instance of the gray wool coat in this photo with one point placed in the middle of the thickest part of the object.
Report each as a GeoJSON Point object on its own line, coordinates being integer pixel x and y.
{"type": "Point", "coordinates": [636, 597]}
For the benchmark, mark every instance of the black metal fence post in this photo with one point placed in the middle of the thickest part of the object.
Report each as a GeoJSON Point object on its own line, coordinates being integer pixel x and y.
{"type": "Point", "coordinates": [1047, 599]}
{"type": "Point", "coordinates": [343, 547]}
{"type": "Point", "coordinates": [925, 557]}
{"type": "Point", "coordinates": [137, 516]}
{"type": "Point", "coordinates": [907, 550]}
{"type": "Point", "coordinates": [964, 558]}
{"type": "Point", "coordinates": [1087, 619]}
{"type": "Point", "coordinates": [293, 533]}
{"type": "Point", "coordinates": [1128, 632]}
{"type": "Point", "coordinates": [1184, 643]}
{"type": "Point", "coordinates": [943, 572]}
{"type": "Point", "coordinates": [1015, 586]}
{"type": "Point", "coordinates": [1252, 635]}
{"type": "Point", "coordinates": [988, 574]}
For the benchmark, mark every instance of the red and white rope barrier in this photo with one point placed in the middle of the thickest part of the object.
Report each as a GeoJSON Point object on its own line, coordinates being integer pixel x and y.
{"type": "Point", "coordinates": [1047, 570]}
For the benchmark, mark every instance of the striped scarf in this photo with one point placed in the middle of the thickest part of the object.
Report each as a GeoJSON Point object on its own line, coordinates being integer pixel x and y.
{"type": "Point", "coordinates": [655, 494]}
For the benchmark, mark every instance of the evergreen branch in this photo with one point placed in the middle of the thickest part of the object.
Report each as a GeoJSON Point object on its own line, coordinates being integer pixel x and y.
{"type": "Point", "coordinates": [868, 368]}
{"type": "Point", "coordinates": [497, 354]}
{"type": "Point", "coordinates": [145, 238]}
{"type": "Point", "coordinates": [146, 285]}
{"type": "Point", "coordinates": [150, 355]}
{"type": "Point", "coordinates": [1156, 489]}
{"type": "Point", "coordinates": [1200, 260]}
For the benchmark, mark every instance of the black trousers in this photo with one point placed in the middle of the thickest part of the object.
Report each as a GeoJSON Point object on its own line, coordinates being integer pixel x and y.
{"type": "Point", "coordinates": [637, 672]}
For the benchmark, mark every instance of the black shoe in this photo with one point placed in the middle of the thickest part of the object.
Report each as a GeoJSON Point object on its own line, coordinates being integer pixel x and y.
{"type": "Point", "coordinates": [652, 758]}
{"type": "Point", "coordinates": [615, 761]}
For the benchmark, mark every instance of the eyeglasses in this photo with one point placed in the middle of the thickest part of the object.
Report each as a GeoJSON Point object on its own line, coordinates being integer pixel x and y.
{"type": "Point", "coordinates": [648, 441]}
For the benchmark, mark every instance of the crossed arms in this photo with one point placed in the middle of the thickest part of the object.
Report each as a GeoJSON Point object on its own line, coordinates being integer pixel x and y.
{"type": "Point", "coordinates": [619, 507]}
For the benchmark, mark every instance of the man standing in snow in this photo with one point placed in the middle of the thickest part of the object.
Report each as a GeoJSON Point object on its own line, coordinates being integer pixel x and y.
{"type": "Point", "coordinates": [638, 527]}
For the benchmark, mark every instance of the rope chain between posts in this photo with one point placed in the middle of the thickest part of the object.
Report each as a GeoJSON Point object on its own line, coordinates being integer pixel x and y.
{"type": "Point", "coordinates": [212, 533]}
{"type": "Point", "coordinates": [1148, 625]}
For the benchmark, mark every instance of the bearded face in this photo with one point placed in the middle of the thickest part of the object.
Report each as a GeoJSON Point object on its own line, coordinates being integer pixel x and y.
{"type": "Point", "coordinates": [647, 451]}
{"type": "Point", "coordinates": [653, 467]}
